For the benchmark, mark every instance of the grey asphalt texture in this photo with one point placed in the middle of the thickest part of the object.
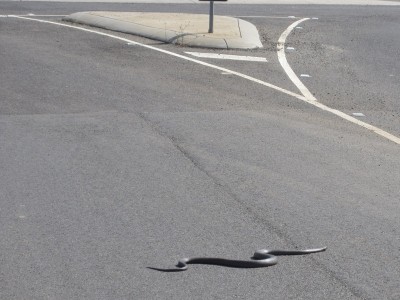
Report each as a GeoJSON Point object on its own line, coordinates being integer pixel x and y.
{"type": "Point", "coordinates": [115, 158]}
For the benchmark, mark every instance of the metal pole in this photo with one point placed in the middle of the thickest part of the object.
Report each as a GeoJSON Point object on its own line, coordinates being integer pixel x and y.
{"type": "Point", "coordinates": [211, 27]}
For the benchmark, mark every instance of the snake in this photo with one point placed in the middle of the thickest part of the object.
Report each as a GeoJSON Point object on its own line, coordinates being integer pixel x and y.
{"type": "Point", "coordinates": [261, 258]}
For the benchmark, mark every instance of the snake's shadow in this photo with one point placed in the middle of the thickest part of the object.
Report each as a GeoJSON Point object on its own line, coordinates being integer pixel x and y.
{"type": "Point", "coordinates": [165, 270]}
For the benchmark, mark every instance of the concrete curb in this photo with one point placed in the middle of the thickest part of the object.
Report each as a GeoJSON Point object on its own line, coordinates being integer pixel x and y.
{"type": "Point", "coordinates": [246, 35]}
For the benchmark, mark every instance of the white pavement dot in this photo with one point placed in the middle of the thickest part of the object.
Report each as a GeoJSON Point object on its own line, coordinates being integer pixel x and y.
{"type": "Point", "coordinates": [21, 217]}
{"type": "Point", "coordinates": [299, 27]}
{"type": "Point", "coordinates": [31, 14]}
{"type": "Point", "coordinates": [305, 75]}
{"type": "Point", "coordinates": [358, 114]}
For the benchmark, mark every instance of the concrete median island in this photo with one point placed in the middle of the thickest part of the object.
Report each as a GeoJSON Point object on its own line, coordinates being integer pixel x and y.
{"type": "Point", "coordinates": [176, 28]}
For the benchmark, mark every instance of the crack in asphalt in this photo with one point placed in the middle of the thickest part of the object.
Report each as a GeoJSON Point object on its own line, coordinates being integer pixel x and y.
{"type": "Point", "coordinates": [258, 218]}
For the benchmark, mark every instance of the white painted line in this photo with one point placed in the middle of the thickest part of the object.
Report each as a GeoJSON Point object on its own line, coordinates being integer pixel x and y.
{"type": "Point", "coordinates": [227, 56]}
{"type": "Point", "coordinates": [33, 15]}
{"type": "Point", "coordinates": [309, 98]}
{"type": "Point", "coordinates": [41, 16]}
{"type": "Point", "coordinates": [244, 76]}
{"type": "Point", "coordinates": [282, 59]}
{"type": "Point", "coordinates": [305, 75]}
{"type": "Point", "coordinates": [266, 17]}
{"type": "Point", "coordinates": [298, 27]}
{"type": "Point", "coordinates": [314, 18]}
{"type": "Point", "coordinates": [358, 114]}
{"type": "Point", "coordinates": [285, 65]}
{"type": "Point", "coordinates": [290, 48]}
{"type": "Point", "coordinates": [291, 17]}
{"type": "Point", "coordinates": [3, 16]}
{"type": "Point", "coordinates": [226, 73]}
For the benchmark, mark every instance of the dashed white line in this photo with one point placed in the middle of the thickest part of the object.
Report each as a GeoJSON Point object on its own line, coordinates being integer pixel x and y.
{"type": "Point", "coordinates": [358, 114]}
{"type": "Point", "coordinates": [305, 75]}
{"type": "Point", "coordinates": [227, 56]}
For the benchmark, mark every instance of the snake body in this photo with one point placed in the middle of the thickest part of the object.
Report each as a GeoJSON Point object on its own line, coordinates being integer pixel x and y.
{"type": "Point", "coordinates": [261, 258]}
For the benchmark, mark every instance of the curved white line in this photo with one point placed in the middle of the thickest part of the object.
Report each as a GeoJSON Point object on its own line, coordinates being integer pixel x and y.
{"type": "Point", "coordinates": [309, 97]}
{"type": "Point", "coordinates": [285, 65]}
{"type": "Point", "coordinates": [169, 53]}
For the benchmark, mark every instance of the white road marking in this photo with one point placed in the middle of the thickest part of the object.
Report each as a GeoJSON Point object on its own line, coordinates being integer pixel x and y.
{"type": "Point", "coordinates": [3, 16]}
{"type": "Point", "coordinates": [290, 48]}
{"type": "Point", "coordinates": [358, 114]}
{"type": "Point", "coordinates": [33, 15]}
{"type": "Point", "coordinates": [250, 78]}
{"type": "Point", "coordinates": [226, 73]}
{"type": "Point", "coordinates": [264, 17]}
{"type": "Point", "coordinates": [291, 17]}
{"type": "Point", "coordinates": [227, 56]}
{"type": "Point", "coordinates": [298, 27]}
{"type": "Point", "coordinates": [309, 98]}
{"type": "Point", "coordinates": [285, 65]}
{"type": "Point", "coordinates": [305, 75]}
{"type": "Point", "coordinates": [282, 59]}
{"type": "Point", "coordinates": [314, 18]}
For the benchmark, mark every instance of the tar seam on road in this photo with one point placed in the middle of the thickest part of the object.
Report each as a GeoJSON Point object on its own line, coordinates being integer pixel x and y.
{"type": "Point", "coordinates": [306, 95]}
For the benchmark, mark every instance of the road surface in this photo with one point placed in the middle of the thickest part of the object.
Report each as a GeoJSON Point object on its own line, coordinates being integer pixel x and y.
{"type": "Point", "coordinates": [116, 156]}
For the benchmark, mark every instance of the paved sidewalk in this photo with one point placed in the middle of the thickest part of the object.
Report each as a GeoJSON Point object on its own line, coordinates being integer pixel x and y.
{"type": "Point", "coordinates": [178, 28]}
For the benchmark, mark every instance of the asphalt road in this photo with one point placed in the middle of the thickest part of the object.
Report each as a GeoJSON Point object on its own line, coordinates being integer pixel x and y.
{"type": "Point", "coordinates": [115, 158]}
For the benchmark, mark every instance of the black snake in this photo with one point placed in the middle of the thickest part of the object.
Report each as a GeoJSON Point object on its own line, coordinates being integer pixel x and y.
{"type": "Point", "coordinates": [261, 258]}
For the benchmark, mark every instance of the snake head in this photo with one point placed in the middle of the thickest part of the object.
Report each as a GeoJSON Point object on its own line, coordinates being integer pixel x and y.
{"type": "Point", "coordinates": [261, 254]}
{"type": "Point", "coordinates": [182, 263]}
